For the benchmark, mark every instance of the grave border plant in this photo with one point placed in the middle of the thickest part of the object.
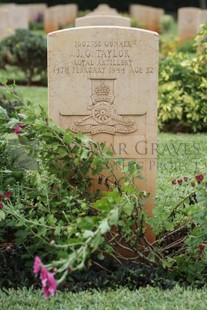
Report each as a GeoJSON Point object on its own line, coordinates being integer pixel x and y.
{"type": "Point", "coordinates": [53, 213]}
{"type": "Point", "coordinates": [182, 89]}
{"type": "Point", "coordinates": [26, 51]}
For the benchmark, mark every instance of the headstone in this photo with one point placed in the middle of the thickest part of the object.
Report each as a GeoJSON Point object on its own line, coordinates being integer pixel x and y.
{"type": "Point", "coordinates": [188, 21]}
{"type": "Point", "coordinates": [72, 10]}
{"type": "Point", "coordinates": [103, 82]}
{"type": "Point", "coordinates": [5, 24]}
{"type": "Point", "coordinates": [61, 15]}
{"type": "Point", "coordinates": [36, 11]}
{"type": "Point", "coordinates": [203, 17]}
{"type": "Point", "coordinates": [50, 20]}
{"type": "Point", "coordinates": [104, 9]}
{"type": "Point", "coordinates": [19, 16]}
{"type": "Point", "coordinates": [149, 17]}
{"type": "Point", "coordinates": [102, 20]}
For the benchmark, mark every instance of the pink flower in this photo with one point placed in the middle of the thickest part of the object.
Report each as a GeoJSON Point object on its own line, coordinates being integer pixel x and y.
{"type": "Point", "coordinates": [1, 205]}
{"type": "Point", "coordinates": [199, 177]}
{"type": "Point", "coordinates": [202, 246]}
{"type": "Point", "coordinates": [17, 129]}
{"type": "Point", "coordinates": [49, 285]}
{"type": "Point", "coordinates": [37, 265]}
{"type": "Point", "coordinates": [179, 181]}
{"type": "Point", "coordinates": [8, 194]}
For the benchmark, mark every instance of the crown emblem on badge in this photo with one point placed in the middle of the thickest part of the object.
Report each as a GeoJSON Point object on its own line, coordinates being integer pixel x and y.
{"type": "Point", "coordinates": [102, 89]}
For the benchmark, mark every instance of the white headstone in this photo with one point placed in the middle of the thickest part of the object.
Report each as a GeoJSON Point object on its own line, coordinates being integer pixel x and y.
{"type": "Point", "coordinates": [5, 24]}
{"type": "Point", "coordinates": [100, 20]}
{"type": "Point", "coordinates": [188, 22]}
{"type": "Point", "coordinates": [148, 17]}
{"type": "Point", "coordinates": [103, 81]}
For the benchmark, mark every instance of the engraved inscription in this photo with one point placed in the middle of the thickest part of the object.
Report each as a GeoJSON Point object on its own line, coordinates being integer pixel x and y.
{"type": "Point", "coordinates": [102, 57]}
{"type": "Point", "coordinates": [103, 116]}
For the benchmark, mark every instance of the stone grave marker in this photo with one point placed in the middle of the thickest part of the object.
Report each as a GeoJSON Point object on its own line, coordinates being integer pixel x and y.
{"type": "Point", "coordinates": [103, 82]}
{"type": "Point", "coordinates": [203, 17]}
{"type": "Point", "coordinates": [149, 17]}
{"type": "Point", "coordinates": [104, 9]}
{"type": "Point", "coordinates": [36, 11]}
{"type": "Point", "coordinates": [19, 16]}
{"type": "Point", "coordinates": [5, 24]}
{"type": "Point", "coordinates": [72, 10]}
{"type": "Point", "coordinates": [102, 20]}
{"type": "Point", "coordinates": [50, 20]}
{"type": "Point", "coordinates": [103, 15]}
{"type": "Point", "coordinates": [188, 23]}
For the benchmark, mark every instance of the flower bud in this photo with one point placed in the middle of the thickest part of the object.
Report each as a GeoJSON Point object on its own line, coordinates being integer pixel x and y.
{"type": "Point", "coordinates": [202, 246]}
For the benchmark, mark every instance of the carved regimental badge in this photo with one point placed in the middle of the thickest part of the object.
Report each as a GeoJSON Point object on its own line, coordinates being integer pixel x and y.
{"type": "Point", "coordinates": [103, 116]}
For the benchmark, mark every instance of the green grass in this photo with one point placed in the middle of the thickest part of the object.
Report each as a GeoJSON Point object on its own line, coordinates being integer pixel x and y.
{"type": "Point", "coordinates": [37, 95]}
{"type": "Point", "coordinates": [145, 298]}
{"type": "Point", "coordinates": [180, 155]}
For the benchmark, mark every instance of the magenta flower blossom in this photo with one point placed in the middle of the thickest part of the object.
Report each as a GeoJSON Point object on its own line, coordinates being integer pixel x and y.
{"type": "Point", "coordinates": [179, 181]}
{"type": "Point", "coordinates": [8, 194]}
{"type": "Point", "coordinates": [18, 128]}
{"type": "Point", "coordinates": [199, 177]}
{"type": "Point", "coordinates": [37, 265]}
{"type": "Point", "coordinates": [49, 285]}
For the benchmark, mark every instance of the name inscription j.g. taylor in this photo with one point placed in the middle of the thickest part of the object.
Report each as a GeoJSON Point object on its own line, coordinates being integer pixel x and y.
{"type": "Point", "coordinates": [101, 57]}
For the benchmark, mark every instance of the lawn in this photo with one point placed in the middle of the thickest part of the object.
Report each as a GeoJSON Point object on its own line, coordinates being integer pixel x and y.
{"type": "Point", "coordinates": [148, 298]}
{"type": "Point", "coordinates": [37, 95]}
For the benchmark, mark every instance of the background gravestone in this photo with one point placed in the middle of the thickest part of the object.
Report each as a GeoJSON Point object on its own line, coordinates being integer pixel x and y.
{"type": "Point", "coordinates": [148, 16]}
{"type": "Point", "coordinates": [5, 24]}
{"type": "Point", "coordinates": [188, 23]}
{"type": "Point", "coordinates": [50, 20]}
{"type": "Point", "coordinates": [103, 82]}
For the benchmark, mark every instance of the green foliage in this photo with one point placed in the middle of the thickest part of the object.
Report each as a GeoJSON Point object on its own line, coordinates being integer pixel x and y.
{"type": "Point", "coordinates": [168, 45]}
{"type": "Point", "coordinates": [37, 25]}
{"type": "Point", "coordinates": [27, 51]}
{"type": "Point", "coordinates": [181, 230]}
{"type": "Point", "coordinates": [182, 104]}
{"type": "Point", "coordinates": [52, 209]}
{"type": "Point", "coordinates": [83, 13]}
{"type": "Point", "coordinates": [135, 23]}
{"type": "Point", "coordinates": [187, 47]}
{"type": "Point", "coordinates": [166, 23]}
{"type": "Point", "coordinates": [9, 102]}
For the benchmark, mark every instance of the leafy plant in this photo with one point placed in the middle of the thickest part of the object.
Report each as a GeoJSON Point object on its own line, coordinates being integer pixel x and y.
{"type": "Point", "coordinates": [55, 210]}
{"type": "Point", "coordinates": [182, 89]}
{"type": "Point", "coordinates": [166, 23]}
{"type": "Point", "coordinates": [27, 51]}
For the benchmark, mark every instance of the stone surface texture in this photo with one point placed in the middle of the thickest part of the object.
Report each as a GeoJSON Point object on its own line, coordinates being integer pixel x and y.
{"type": "Point", "coordinates": [102, 20]}
{"type": "Point", "coordinates": [148, 17]}
{"type": "Point", "coordinates": [103, 82]}
{"type": "Point", "coordinates": [188, 23]}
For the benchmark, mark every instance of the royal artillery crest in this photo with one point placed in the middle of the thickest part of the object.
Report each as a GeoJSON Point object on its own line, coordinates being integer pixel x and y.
{"type": "Point", "coordinates": [103, 116]}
